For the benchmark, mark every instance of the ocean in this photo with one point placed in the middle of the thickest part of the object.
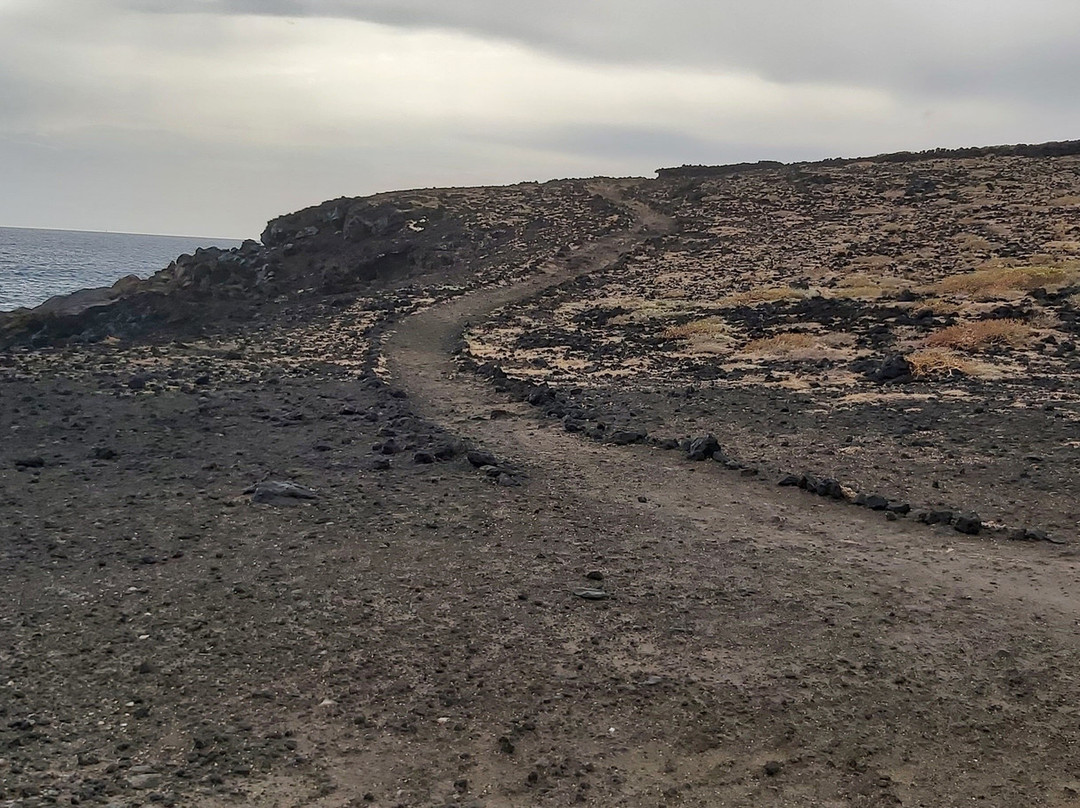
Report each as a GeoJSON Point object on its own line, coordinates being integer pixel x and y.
{"type": "Point", "coordinates": [37, 264]}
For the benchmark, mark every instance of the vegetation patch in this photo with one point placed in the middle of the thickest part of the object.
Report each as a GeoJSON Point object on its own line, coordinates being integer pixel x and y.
{"type": "Point", "coordinates": [1003, 281]}
{"type": "Point", "coordinates": [765, 294]}
{"type": "Point", "coordinates": [981, 335]}
{"type": "Point", "coordinates": [940, 362]}
{"type": "Point", "coordinates": [782, 345]}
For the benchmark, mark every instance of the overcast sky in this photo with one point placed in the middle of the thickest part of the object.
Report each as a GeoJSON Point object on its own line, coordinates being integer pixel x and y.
{"type": "Point", "coordinates": [207, 117]}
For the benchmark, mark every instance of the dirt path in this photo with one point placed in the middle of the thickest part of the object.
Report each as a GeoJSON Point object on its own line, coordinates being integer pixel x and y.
{"type": "Point", "coordinates": [774, 649]}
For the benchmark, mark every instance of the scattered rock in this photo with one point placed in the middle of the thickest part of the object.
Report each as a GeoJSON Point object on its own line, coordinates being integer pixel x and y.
{"type": "Point", "coordinates": [35, 462]}
{"type": "Point", "coordinates": [970, 524]}
{"type": "Point", "coordinates": [935, 517]}
{"type": "Point", "coordinates": [480, 458]}
{"type": "Point", "coordinates": [772, 768]}
{"type": "Point", "coordinates": [272, 492]}
{"type": "Point", "coordinates": [703, 448]}
{"type": "Point", "coordinates": [895, 368]}
{"type": "Point", "coordinates": [627, 436]}
{"type": "Point", "coordinates": [144, 781]}
{"type": "Point", "coordinates": [592, 594]}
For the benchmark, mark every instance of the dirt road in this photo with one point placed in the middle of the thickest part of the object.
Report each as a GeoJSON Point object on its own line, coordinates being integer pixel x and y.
{"type": "Point", "coordinates": [760, 647]}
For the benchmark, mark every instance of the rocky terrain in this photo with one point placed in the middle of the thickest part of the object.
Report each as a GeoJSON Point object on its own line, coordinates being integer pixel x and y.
{"type": "Point", "coordinates": [746, 485]}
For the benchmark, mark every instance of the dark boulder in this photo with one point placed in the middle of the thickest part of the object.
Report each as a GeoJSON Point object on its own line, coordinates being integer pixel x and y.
{"type": "Point", "coordinates": [480, 458]}
{"type": "Point", "coordinates": [625, 437]}
{"type": "Point", "coordinates": [703, 448]}
{"type": "Point", "coordinates": [968, 523]}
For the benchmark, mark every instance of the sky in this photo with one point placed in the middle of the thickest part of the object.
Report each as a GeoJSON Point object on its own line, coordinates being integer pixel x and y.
{"type": "Point", "coordinates": [209, 117]}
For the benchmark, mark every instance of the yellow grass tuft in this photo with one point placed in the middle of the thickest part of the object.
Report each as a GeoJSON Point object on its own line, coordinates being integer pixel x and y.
{"type": "Point", "coordinates": [981, 335]}
{"type": "Point", "coordinates": [764, 294]}
{"type": "Point", "coordinates": [707, 327]}
{"type": "Point", "coordinates": [940, 362]}
{"type": "Point", "coordinates": [997, 281]}
{"type": "Point", "coordinates": [781, 345]}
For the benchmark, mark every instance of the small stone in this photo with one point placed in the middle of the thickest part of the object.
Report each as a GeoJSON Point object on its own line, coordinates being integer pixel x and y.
{"type": "Point", "coordinates": [423, 458]}
{"type": "Point", "coordinates": [277, 492]}
{"type": "Point", "coordinates": [935, 517]}
{"type": "Point", "coordinates": [34, 462]}
{"type": "Point", "coordinates": [479, 458]}
{"type": "Point", "coordinates": [103, 453]}
{"type": "Point", "coordinates": [790, 481]}
{"type": "Point", "coordinates": [592, 594]}
{"type": "Point", "coordinates": [876, 502]}
{"type": "Point", "coordinates": [144, 781]}
{"type": "Point", "coordinates": [773, 768]}
{"type": "Point", "coordinates": [703, 448]}
{"type": "Point", "coordinates": [595, 575]}
{"type": "Point", "coordinates": [969, 524]}
{"type": "Point", "coordinates": [627, 436]}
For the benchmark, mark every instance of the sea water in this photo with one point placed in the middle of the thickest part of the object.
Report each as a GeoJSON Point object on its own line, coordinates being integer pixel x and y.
{"type": "Point", "coordinates": [37, 264]}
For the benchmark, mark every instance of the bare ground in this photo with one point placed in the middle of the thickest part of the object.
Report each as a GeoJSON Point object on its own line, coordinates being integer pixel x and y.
{"type": "Point", "coordinates": [413, 637]}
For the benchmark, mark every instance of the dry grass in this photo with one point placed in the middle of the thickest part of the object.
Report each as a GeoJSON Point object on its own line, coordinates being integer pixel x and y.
{"type": "Point", "coordinates": [981, 335]}
{"type": "Point", "coordinates": [765, 294]}
{"type": "Point", "coordinates": [940, 362]}
{"type": "Point", "coordinates": [707, 327]}
{"type": "Point", "coordinates": [999, 281]}
{"type": "Point", "coordinates": [782, 345]}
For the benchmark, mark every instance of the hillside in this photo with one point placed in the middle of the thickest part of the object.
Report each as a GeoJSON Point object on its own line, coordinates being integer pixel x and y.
{"type": "Point", "coordinates": [744, 485]}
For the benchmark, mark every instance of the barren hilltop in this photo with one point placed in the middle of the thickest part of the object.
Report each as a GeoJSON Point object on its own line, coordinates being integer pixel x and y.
{"type": "Point", "coordinates": [744, 485]}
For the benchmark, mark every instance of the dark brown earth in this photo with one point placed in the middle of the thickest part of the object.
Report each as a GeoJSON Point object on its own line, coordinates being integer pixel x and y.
{"type": "Point", "coordinates": [412, 636]}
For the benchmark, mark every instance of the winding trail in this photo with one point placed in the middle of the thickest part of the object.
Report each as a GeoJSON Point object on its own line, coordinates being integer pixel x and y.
{"type": "Point", "coordinates": [879, 646]}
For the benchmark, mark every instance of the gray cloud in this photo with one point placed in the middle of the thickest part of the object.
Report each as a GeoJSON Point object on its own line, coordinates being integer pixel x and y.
{"type": "Point", "coordinates": [935, 47]}
{"type": "Point", "coordinates": [210, 116]}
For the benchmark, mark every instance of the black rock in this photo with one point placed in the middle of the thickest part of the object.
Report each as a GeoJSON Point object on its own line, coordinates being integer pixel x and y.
{"type": "Point", "coordinates": [423, 458]}
{"type": "Point", "coordinates": [272, 492]}
{"type": "Point", "coordinates": [935, 517]}
{"type": "Point", "coordinates": [830, 488]}
{"type": "Point", "coordinates": [895, 368]}
{"type": "Point", "coordinates": [447, 451]}
{"type": "Point", "coordinates": [379, 463]}
{"type": "Point", "coordinates": [900, 508]}
{"type": "Point", "coordinates": [592, 594]}
{"type": "Point", "coordinates": [875, 502]}
{"type": "Point", "coordinates": [627, 436]}
{"type": "Point", "coordinates": [137, 382]}
{"type": "Point", "coordinates": [480, 458]}
{"type": "Point", "coordinates": [790, 481]}
{"type": "Point", "coordinates": [667, 444]}
{"type": "Point", "coordinates": [35, 462]}
{"type": "Point", "coordinates": [969, 523]}
{"type": "Point", "coordinates": [703, 448]}
{"type": "Point", "coordinates": [388, 447]}
{"type": "Point", "coordinates": [103, 453]}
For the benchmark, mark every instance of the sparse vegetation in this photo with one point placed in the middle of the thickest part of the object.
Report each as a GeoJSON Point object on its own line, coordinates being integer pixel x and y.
{"type": "Point", "coordinates": [781, 344]}
{"type": "Point", "coordinates": [981, 335]}
{"type": "Point", "coordinates": [940, 362]}
{"type": "Point", "coordinates": [1003, 281]}
{"type": "Point", "coordinates": [708, 327]}
{"type": "Point", "coordinates": [765, 294]}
